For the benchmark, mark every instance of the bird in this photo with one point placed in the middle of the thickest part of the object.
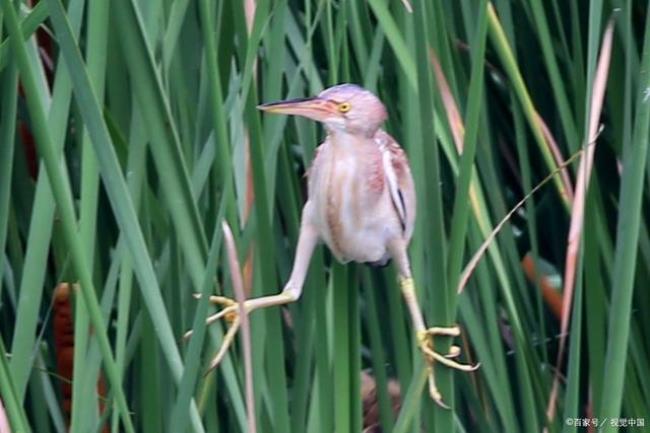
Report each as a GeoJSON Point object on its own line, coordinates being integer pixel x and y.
{"type": "Point", "coordinates": [361, 203]}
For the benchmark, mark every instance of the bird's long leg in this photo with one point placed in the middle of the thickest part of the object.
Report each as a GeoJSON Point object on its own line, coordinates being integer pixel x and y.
{"type": "Point", "coordinates": [424, 335]}
{"type": "Point", "coordinates": [292, 290]}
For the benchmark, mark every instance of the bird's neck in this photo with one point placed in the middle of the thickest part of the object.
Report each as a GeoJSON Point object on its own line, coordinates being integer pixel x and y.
{"type": "Point", "coordinates": [349, 145]}
{"type": "Point", "coordinates": [347, 137]}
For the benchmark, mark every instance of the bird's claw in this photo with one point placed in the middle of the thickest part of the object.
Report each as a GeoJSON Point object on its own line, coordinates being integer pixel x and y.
{"type": "Point", "coordinates": [425, 342]}
{"type": "Point", "coordinates": [231, 314]}
{"type": "Point", "coordinates": [434, 393]}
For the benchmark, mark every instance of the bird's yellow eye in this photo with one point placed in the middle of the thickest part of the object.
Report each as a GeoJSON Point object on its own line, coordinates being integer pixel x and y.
{"type": "Point", "coordinates": [344, 107]}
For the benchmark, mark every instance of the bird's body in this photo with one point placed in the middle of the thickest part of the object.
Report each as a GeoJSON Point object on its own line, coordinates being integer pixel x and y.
{"type": "Point", "coordinates": [361, 203]}
{"type": "Point", "coordinates": [350, 202]}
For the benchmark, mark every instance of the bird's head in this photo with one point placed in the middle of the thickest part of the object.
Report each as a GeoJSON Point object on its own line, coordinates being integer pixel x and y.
{"type": "Point", "coordinates": [346, 107]}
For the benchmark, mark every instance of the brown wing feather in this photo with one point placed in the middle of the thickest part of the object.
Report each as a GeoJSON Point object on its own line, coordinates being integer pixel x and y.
{"type": "Point", "coordinates": [400, 181]}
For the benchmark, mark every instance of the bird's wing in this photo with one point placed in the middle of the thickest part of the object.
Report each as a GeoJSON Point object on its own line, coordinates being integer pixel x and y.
{"type": "Point", "coordinates": [399, 180]}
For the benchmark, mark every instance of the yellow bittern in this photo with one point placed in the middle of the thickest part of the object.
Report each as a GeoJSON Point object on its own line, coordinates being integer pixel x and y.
{"type": "Point", "coordinates": [361, 204]}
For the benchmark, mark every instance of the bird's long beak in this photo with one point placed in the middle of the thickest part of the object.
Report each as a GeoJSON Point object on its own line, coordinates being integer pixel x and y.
{"type": "Point", "coordinates": [314, 108]}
